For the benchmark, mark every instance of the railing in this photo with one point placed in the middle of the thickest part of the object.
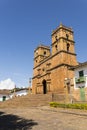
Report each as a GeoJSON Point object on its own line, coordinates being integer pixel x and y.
{"type": "Point", "coordinates": [80, 80]}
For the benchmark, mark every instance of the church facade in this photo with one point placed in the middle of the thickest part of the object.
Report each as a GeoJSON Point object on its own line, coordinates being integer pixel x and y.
{"type": "Point", "coordinates": [52, 66]}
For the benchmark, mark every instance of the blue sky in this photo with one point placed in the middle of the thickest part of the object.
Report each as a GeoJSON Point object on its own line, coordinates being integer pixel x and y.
{"type": "Point", "coordinates": [24, 24]}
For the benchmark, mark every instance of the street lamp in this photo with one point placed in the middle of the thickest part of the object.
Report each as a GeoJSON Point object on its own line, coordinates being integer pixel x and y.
{"type": "Point", "coordinates": [67, 82]}
{"type": "Point", "coordinates": [29, 85]}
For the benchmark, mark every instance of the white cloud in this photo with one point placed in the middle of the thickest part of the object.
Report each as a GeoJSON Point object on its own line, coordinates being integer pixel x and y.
{"type": "Point", "coordinates": [7, 84]}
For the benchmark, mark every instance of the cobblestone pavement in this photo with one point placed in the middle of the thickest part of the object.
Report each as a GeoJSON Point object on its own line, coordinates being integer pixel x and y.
{"type": "Point", "coordinates": [42, 118]}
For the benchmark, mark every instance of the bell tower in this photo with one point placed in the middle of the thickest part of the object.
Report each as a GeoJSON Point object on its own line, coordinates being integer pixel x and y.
{"type": "Point", "coordinates": [63, 45]}
{"type": "Point", "coordinates": [40, 53]}
{"type": "Point", "coordinates": [63, 56]}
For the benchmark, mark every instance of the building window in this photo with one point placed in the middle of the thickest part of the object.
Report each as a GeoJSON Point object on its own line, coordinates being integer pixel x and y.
{"type": "Point", "coordinates": [81, 73]}
{"type": "Point", "coordinates": [43, 69]}
{"type": "Point", "coordinates": [4, 98]}
{"type": "Point", "coordinates": [56, 47]}
{"type": "Point", "coordinates": [44, 52]}
{"type": "Point", "coordinates": [39, 71]}
{"type": "Point", "coordinates": [56, 38]}
{"type": "Point", "coordinates": [68, 46]}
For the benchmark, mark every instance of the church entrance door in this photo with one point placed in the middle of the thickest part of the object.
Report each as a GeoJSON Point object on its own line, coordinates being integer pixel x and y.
{"type": "Point", "coordinates": [44, 86]}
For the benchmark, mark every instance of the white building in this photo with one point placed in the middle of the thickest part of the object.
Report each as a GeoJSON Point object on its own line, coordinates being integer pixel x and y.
{"type": "Point", "coordinates": [4, 95]}
{"type": "Point", "coordinates": [8, 94]}
{"type": "Point", "coordinates": [19, 92]}
{"type": "Point", "coordinates": [80, 82]}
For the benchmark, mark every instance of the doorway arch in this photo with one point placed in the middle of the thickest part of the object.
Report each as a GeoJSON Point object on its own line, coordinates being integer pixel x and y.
{"type": "Point", "coordinates": [44, 86]}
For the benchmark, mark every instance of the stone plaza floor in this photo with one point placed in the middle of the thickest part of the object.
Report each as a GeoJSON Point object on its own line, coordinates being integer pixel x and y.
{"type": "Point", "coordinates": [42, 118]}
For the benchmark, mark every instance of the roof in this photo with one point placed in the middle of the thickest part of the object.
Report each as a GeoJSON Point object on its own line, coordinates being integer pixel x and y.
{"type": "Point", "coordinates": [62, 26]}
{"type": "Point", "coordinates": [5, 91]}
{"type": "Point", "coordinates": [19, 89]}
{"type": "Point", "coordinates": [43, 46]}
{"type": "Point", "coordinates": [80, 65]}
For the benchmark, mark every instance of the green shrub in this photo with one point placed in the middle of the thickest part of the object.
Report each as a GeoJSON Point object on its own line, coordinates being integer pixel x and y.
{"type": "Point", "coordinates": [72, 106]}
{"type": "Point", "coordinates": [53, 104]}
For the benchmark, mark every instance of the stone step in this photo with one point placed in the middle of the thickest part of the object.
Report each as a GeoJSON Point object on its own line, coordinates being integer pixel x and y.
{"type": "Point", "coordinates": [32, 100]}
{"type": "Point", "coordinates": [29, 100]}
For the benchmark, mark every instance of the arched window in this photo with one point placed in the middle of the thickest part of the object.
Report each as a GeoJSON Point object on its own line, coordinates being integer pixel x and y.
{"type": "Point", "coordinates": [56, 38]}
{"type": "Point", "coordinates": [44, 53]}
{"type": "Point", "coordinates": [68, 46]}
{"type": "Point", "coordinates": [56, 47]}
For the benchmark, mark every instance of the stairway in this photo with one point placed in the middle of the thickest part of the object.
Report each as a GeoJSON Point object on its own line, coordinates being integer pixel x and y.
{"type": "Point", "coordinates": [32, 100]}
{"type": "Point", "coordinates": [29, 100]}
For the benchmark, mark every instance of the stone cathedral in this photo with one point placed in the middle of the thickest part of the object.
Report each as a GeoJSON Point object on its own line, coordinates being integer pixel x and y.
{"type": "Point", "coordinates": [52, 64]}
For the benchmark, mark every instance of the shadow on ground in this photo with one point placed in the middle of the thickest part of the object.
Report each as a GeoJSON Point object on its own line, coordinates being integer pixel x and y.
{"type": "Point", "coordinates": [13, 122]}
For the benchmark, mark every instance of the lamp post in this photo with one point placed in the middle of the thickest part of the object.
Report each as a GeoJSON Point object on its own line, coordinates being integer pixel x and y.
{"type": "Point", "coordinates": [29, 85]}
{"type": "Point", "coordinates": [67, 82]}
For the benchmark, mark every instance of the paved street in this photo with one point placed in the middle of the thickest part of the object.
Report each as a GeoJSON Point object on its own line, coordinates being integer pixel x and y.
{"type": "Point", "coordinates": [42, 118]}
